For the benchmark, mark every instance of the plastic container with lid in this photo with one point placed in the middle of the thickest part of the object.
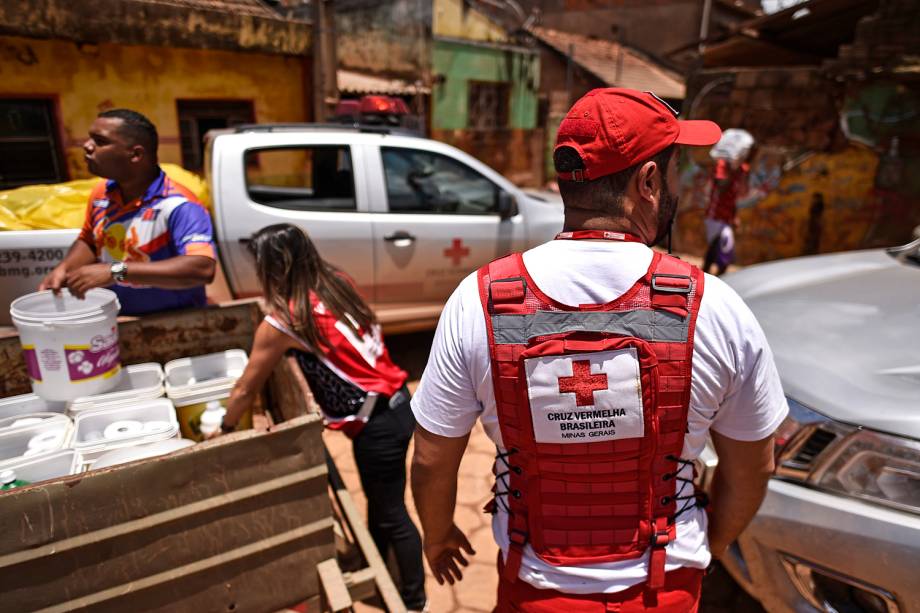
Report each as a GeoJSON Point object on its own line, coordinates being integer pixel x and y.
{"type": "Point", "coordinates": [29, 419]}
{"type": "Point", "coordinates": [70, 345]}
{"type": "Point", "coordinates": [99, 430]}
{"type": "Point", "coordinates": [210, 370]}
{"type": "Point", "coordinates": [49, 466]}
{"type": "Point", "coordinates": [139, 382]}
{"type": "Point", "coordinates": [29, 403]}
{"type": "Point", "coordinates": [49, 436]}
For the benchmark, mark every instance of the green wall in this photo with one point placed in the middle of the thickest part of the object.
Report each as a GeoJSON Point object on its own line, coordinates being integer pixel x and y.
{"type": "Point", "coordinates": [459, 63]}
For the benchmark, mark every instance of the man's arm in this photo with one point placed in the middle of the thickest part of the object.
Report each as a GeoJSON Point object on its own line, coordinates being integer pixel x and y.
{"type": "Point", "coordinates": [180, 272]}
{"type": "Point", "coordinates": [738, 487]}
{"type": "Point", "coordinates": [435, 463]}
{"type": "Point", "coordinates": [80, 254]}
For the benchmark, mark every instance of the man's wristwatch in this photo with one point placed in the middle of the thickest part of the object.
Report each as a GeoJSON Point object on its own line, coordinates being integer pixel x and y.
{"type": "Point", "coordinates": [119, 271]}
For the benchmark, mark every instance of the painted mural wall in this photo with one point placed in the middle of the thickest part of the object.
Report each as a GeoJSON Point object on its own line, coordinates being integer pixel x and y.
{"type": "Point", "coordinates": [860, 191]}
{"type": "Point", "coordinates": [86, 79]}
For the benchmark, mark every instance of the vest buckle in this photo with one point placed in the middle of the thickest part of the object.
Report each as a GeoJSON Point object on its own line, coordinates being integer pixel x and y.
{"type": "Point", "coordinates": [671, 284]}
{"type": "Point", "coordinates": [660, 538]}
{"type": "Point", "coordinates": [517, 537]}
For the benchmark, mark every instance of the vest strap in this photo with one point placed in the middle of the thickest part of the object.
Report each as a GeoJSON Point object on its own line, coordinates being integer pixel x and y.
{"type": "Point", "coordinates": [658, 554]}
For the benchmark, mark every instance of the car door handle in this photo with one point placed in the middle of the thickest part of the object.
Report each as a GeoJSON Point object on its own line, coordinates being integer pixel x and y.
{"type": "Point", "coordinates": [244, 241]}
{"type": "Point", "coordinates": [399, 236]}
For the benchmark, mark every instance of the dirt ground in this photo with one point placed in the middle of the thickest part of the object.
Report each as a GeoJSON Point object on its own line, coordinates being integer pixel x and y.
{"type": "Point", "coordinates": [476, 593]}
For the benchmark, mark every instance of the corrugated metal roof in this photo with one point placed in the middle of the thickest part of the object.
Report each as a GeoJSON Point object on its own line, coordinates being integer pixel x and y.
{"type": "Point", "coordinates": [615, 64]}
{"type": "Point", "coordinates": [363, 83]}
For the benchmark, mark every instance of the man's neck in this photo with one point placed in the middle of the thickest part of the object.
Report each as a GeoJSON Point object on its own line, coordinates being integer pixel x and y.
{"type": "Point", "coordinates": [588, 220]}
{"type": "Point", "coordinates": [136, 187]}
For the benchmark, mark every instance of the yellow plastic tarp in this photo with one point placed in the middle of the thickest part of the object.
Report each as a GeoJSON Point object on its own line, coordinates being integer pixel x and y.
{"type": "Point", "coordinates": [63, 205]}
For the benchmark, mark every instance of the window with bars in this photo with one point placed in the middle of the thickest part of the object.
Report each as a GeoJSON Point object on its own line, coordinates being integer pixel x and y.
{"type": "Point", "coordinates": [488, 105]}
{"type": "Point", "coordinates": [29, 149]}
{"type": "Point", "coordinates": [196, 117]}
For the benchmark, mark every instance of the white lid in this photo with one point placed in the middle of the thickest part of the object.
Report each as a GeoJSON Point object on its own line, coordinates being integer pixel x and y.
{"type": "Point", "coordinates": [7, 477]}
{"type": "Point", "coordinates": [48, 306]}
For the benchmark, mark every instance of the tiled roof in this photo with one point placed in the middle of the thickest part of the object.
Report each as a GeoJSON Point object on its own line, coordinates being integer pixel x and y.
{"type": "Point", "coordinates": [252, 8]}
{"type": "Point", "coordinates": [614, 64]}
{"type": "Point", "coordinates": [351, 81]}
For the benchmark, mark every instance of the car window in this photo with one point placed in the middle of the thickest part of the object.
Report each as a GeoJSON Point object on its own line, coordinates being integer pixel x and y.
{"type": "Point", "coordinates": [426, 182]}
{"type": "Point", "coordinates": [318, 178]}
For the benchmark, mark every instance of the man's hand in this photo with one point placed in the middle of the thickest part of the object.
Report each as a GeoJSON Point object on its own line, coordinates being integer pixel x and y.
{"type": "Point", "coordinates": [444, 556]}
{"type": "Point", "coordinates": [55, 279]}
{"type": "Point", "coordinates": [85, 278]}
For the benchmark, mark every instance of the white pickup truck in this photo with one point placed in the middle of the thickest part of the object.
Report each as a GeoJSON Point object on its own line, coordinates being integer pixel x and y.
{"type": "Point", "coordinates": [407, 217]}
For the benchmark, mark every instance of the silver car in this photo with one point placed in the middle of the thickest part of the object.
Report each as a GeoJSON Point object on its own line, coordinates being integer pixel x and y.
{"type": "Point", "coordinates": [839, 529]}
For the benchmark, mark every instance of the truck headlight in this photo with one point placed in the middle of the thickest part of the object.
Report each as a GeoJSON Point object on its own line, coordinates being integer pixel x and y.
{"type": "Point", "coordinates": [877, 467]}
{"type": "Point", "coordinates": [814, 449]}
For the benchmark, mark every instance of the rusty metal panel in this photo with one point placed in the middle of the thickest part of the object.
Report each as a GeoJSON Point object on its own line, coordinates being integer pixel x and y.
{"type": "Point", "coordinates": [238, 523]}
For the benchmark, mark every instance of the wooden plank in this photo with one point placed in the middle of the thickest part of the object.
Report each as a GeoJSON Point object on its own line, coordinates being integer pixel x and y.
{"type": "Point", "coordinates": [231, 513]}
{"type": "Point", "coordinates": [385, 586]}
{"type": "Point", "coordinates": [335, 592]}
{"type": "Point", "coordinates": [361, 584]}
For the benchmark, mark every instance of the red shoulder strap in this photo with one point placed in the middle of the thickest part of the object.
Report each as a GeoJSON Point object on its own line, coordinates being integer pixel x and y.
{"type": "Point", "coordinates": [502, 287]}
{"type": "Point", "coordinates": [672, 283]}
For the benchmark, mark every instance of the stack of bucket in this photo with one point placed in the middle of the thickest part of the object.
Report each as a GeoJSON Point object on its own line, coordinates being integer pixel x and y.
{"type": "Point", "coordinates": [193, 383]}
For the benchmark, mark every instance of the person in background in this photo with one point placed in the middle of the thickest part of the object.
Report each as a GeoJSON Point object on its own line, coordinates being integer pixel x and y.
{"type": "Point", "coordinates": [145, 236]}
{"type": "Point", "coordinates": [316, 312]}
{"type": "Point", "coordinates": [729, 184]}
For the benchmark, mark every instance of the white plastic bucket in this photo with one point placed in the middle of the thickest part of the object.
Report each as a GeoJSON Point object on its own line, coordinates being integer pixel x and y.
{"type": "Point", "coordinates": [70, 346]}
{"type": "Point", "coordinates": [138, 382]}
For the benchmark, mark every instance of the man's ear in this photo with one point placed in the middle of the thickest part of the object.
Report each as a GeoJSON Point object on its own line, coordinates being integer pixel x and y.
{"type": "Point", "coordinates": [648, 182]}
{"type": "Point", "coordinates": [138, 153]}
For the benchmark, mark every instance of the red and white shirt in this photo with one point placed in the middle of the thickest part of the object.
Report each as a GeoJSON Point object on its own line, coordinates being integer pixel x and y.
{"type": "Point", "coordinates": [351, 367]}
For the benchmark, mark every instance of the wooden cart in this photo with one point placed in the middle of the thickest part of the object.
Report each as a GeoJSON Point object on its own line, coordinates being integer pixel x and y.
{"type": "Point", "coordinates": [245, 522]}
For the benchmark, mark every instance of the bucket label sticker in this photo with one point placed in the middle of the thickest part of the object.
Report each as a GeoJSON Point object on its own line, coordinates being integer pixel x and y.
{"type": "Point", "coordinates": [50, 360]}
{"type": "Point", "coordinates": [31, 360]}
{"type": "Point", "coordinates": [98, 359]}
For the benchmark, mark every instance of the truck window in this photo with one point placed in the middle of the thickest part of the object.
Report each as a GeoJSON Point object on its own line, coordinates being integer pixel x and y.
{"type": "Point", "coordinates": [425, 182]}
{"type": "Point", "coordinates": [317, 178]}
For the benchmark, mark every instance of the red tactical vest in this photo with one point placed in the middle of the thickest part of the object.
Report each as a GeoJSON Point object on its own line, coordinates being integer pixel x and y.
{"type": "Point", "coordinates": [592, 406]}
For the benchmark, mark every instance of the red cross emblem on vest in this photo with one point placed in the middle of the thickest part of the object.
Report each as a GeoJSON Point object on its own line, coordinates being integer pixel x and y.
{"type": "Point", "coordinates": [456, 251]}
{"type": "Point", "coordinates": [582, 383]}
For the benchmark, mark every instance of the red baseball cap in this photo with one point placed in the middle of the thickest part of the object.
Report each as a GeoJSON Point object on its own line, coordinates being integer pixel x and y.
{"type": "Point", "coordinates": [614, 128]}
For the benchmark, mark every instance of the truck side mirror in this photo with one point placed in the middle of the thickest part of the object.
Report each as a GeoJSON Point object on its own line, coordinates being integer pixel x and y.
{"type": "Point", "coordinates": [507, 205]}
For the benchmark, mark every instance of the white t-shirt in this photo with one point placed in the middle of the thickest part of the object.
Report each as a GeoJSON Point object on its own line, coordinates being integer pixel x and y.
{"type": "Point", "coordinates": [735, 388]}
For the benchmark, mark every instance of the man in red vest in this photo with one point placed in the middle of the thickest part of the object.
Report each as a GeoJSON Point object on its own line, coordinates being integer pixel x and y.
{"type": "Point", "coordinates": [599, 367]}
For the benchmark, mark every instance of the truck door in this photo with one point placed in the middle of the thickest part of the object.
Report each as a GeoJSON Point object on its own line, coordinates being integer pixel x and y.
{"type": "Point", "coordinates": [275, 178]}
{"type": "Point", "coordinates": [441, 221]}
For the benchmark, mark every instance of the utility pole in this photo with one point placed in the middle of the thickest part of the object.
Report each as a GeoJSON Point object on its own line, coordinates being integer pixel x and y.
{"type": "Point", "coordinates": [325, 64]}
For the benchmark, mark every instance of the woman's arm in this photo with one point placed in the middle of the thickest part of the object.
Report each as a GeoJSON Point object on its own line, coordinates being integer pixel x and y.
{"type": "Point", "coordinates": [268, 347]}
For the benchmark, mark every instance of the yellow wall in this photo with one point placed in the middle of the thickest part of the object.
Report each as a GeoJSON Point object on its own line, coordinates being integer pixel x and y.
{"type": "Point", "coordinates": [452, 20]}
{"type": "Point", "coordinates": [87, 79]}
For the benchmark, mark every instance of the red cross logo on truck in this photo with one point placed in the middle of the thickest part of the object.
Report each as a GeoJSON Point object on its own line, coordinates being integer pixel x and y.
{"type": "Point", "coordinates": [456, 251]}
{"type": "Point", "coordinates": [583, 383]}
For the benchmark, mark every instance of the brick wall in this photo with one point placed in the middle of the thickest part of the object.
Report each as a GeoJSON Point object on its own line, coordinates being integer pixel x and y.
{"type": "Point", "coordinates": [793, 108]}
